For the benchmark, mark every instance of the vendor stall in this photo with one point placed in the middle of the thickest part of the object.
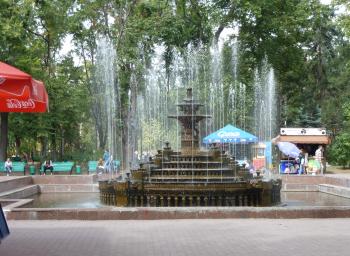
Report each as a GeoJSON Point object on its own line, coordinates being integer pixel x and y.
{"type": "Point", "coordinates": [311, 142]}
{"type": "Point", "coordinates": [262, 157]}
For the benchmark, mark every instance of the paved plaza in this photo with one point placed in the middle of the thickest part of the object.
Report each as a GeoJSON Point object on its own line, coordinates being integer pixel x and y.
{"type": "Point", "coordinates": [179, 237]}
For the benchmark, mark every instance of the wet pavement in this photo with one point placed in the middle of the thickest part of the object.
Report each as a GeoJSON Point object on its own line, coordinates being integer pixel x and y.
{"type": "Point", "coordinates": [179, 237]}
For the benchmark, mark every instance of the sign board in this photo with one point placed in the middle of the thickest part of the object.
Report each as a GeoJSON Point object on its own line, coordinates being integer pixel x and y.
{"type": "Point", "coordinates": [303, 131]}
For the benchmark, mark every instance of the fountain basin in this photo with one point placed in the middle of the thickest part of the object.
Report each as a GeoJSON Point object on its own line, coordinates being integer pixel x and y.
{"type": "Point", "coordinates": [147, 213]}
{"type": "Point", "coordinates": [295, 203]}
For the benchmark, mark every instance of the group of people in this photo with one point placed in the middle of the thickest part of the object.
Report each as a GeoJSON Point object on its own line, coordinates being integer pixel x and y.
{"type": "Point", "coordinates": [312, 165]}
{"type": "Point", "coordinates": [105, 164]}
{"type": "Point", "coordinates": [9, 167]}
{"type": "Point", "coordinates": [307, 165]}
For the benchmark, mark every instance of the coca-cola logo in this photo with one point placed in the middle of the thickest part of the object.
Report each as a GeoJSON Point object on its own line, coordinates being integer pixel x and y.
{"type": "Point", "coordinates": [2, 80]}
{"type": "Point", "coordinates": [15, 104]}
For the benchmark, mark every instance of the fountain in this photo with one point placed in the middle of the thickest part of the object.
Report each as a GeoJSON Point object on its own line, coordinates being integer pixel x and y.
{"type": "Point", "coordinates": [191, 176]}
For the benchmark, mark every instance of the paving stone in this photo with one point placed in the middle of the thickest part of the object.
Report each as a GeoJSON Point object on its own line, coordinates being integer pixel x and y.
{"type": "Point", "coordinates": [217, 237]}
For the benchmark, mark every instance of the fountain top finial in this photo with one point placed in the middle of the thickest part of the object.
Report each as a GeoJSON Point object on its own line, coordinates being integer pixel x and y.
{"type": "Point", "coordinates": [189, 93]}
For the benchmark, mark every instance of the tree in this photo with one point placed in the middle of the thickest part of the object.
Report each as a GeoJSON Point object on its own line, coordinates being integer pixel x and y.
{"type": "Point", "coordinates": [340, 150]}
{"type": "Point", "coordinates": [302, 40]}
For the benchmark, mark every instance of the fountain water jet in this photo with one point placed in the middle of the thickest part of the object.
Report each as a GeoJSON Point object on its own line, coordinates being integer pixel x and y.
{"type": "Point", "coordinates": [105, 75]}
{"type": "Point", "coordinates": [265, 102]}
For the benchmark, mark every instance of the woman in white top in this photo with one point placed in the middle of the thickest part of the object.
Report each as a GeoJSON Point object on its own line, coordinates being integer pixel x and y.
{"type": "Point", "coordinates": [8, 166]}
{"type": "Point", "coordinates": [319, 156]}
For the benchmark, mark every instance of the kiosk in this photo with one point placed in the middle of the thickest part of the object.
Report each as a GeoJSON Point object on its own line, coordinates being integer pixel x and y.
{"type": "Point", "coordinates": [262, 156]}
{"type": "Point", "coordinates": [308, 140]}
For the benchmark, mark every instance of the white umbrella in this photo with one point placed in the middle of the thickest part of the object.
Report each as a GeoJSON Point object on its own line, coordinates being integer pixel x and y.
{"type": "Point", "coordinates": [289, 149]}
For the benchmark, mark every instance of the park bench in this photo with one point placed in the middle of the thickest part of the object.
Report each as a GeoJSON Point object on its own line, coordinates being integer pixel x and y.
{"type": "Point", "coordinates": [59, 167]}
{"type": "Point", "coordinates": [16, 167]}
{"type": "Point", "coordinates": [92, 165]}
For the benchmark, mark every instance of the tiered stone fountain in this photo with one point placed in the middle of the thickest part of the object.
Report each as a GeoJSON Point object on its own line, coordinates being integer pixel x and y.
{"type": "Point", "coordinates": [192, 177]}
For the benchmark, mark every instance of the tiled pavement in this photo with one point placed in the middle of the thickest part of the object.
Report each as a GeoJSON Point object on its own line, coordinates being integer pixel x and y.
{"type": "Point", "coordinates": [245, 237]}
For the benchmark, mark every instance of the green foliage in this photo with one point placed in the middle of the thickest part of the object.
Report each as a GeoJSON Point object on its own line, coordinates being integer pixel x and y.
{"type": "Point", "coordinates": [305, 118]}
{"type": "Point", "coordinates": [153, 133]}
{"type": "Point", "coordinates": [303, 40]}
{"type": "Point", "coordinates": [340, 150]}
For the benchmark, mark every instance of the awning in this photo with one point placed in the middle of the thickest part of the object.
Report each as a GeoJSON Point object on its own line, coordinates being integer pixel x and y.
{"type": "Point", "coordinates": [19, 92]}
{"type": "Point", "coordinates": [304, 139]}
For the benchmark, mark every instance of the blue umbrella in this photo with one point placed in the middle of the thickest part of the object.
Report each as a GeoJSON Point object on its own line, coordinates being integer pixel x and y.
{"type": "Point", "coordinates": [230, 134]}
{"type": "Point", "coordinates": [289, 149]}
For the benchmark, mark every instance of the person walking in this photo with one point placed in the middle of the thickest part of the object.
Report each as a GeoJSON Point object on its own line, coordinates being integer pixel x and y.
{"type": "Point", "coordinates": [8, 167]}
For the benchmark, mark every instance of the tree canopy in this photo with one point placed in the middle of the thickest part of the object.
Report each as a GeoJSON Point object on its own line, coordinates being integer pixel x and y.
{"type": "Point", "coordinates": [305, 42]}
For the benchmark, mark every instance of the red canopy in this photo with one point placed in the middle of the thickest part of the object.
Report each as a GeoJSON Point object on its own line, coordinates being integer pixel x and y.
{"type": "Point", "coordinates": [19, 92]}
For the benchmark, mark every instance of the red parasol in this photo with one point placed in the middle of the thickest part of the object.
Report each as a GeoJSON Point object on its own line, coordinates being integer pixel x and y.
{"type": "Point", "coordinates": [19, 92]}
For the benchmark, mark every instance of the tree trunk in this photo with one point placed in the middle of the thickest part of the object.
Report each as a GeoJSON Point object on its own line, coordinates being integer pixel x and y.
{"type": "Point", "coordinates": [43, 141]}
{"type": "Point", "coordinates": [62, 144]}
{"type": "Point", "coordinates": [100, 120]}
{"type": "Point", "coordinates": [133, 129]}
{"type": "Point", "coordinates": [18, 145]}
{"type": "Point", "coordinates": [4, 136]}
{"type": "Point", "coordinates": [53, 148]}
{"type": "Point", "coordinates": [125, 138]}
{"type": "Point", "coordinates": [102, 136]}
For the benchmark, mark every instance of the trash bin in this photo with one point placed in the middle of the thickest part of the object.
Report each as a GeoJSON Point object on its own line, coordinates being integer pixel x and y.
{"type": "Point", "coordinates": [78, 169]}
{"type": "Point", "coordinates": [32, 169]}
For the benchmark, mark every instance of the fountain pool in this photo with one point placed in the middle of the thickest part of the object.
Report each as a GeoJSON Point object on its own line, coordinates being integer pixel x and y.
{"type": "Point", "coordinates": [92, 200]}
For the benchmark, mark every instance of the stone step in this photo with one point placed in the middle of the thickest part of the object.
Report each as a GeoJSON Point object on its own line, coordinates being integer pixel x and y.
{"type": "Point", "coordinates": [9, 182]}
{"type": "Point", "coordinates": [58, 188]}
{"type": "Point", "coordinates": [21, 192]}
{"type": "Point", "coordinates": [335, 190]}
{"type": "Point", "coordinates": [193, 169]}
{"type": "Point", "coordinates": [65, 179]}
{"type": "Point", "coordinates": [337, 180]}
